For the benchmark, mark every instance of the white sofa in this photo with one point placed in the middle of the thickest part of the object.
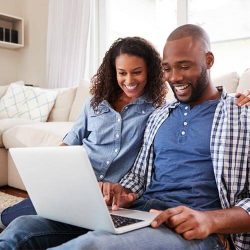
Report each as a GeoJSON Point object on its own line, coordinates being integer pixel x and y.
{"type": "Point", "coordinates": [23, 133]}
{"type": "Point", "coordinates": [16, 132]}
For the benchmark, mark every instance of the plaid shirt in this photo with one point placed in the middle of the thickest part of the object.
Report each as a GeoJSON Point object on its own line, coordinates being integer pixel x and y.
{"type": "Point", "coordinates": [230, 153]}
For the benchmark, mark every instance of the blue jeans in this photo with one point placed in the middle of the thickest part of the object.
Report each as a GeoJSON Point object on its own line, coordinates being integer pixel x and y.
{"type": "Point", "coordinates": [35, 232]}
{"type": "Point", "coordinates": [24, 207]}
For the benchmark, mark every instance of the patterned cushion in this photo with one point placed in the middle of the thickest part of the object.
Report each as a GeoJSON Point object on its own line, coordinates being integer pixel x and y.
{"type": "Point", "coordinates": [27, 102]}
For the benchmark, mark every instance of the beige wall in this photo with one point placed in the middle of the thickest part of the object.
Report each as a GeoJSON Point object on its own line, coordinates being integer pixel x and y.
{"type": "Point", "coordinates": [28, 63]}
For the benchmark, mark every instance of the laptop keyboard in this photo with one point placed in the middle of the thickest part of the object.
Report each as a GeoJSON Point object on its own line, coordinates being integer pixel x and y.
{"type": "Point", "coordinates": [120, 221]}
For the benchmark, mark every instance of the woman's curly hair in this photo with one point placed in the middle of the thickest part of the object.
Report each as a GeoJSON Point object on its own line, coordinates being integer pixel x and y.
{"type": "Point", "coordinates": [104, 82]}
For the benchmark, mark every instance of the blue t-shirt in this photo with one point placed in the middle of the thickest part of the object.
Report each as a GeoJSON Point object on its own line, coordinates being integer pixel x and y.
{"type": "Point", "coordinates": [183, 172]}
{"type": "Point", "coordinates": [111, 139]}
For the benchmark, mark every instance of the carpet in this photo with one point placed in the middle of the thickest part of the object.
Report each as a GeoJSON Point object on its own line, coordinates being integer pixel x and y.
{"type": "Point", "coordinates": [7, 200]}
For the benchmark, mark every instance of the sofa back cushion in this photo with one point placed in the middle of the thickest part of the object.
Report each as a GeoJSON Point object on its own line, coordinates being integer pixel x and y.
{"type": "Point", "coordinates": [63, 104]}
{"type": "Point", "coordinates": [244, 83]}
{"type": "Point", "coordinates": [81, 94]}
{"type": "Point", "coordinates": [27, 102]}
{"type": "Point", "coordinates": [229, 82]}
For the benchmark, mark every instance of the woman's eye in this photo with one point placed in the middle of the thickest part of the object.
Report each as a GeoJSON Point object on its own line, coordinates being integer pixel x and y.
{"type": "Point", "coordinates": [122, 73]}
{"type": "Point", "coordinates": [166, 69]}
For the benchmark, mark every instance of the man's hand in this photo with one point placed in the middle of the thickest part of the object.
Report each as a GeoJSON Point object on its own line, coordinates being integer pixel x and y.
{"type": "Point", "coordinates": [116, 195]}
{"type": "Point", "coordinates": [191, 224]}
{"type": "Point", "coordinates": [243, 98]}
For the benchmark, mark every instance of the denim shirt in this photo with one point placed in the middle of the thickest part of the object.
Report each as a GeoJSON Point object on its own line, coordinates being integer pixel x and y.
{"type": "Point", "coordinates": [111, 139]}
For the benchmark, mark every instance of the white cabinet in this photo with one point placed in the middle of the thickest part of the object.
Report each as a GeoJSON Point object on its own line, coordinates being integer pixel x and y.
{"type": "Point", "coordinates": [11, 31]}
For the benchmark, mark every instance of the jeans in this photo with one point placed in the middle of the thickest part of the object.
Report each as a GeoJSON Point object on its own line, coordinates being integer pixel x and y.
{"type": "Point", "coordinates": [24, 207]}
{"type": "Point", "coordinates": [35, 232]}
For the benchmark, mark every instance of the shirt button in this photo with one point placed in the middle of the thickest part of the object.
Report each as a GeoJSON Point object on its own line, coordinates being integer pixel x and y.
{"type": "Point", "coordinates": [116, 150]}
{"type": "Point", "coordinates": [97, 112]}
{"type": "Point", "coordinates": [107, 162]}
{"type": "Point", "coordinates": [183, 132]}
{"type": "Point", "coordinates": [185, 113]}
{"type": "Point", "coordinates": [186, 107]}
{"type": "Point", "coordinates": [143, 111]}
{"type": "Point", "coordinates": [185, 123]}
{"type": "Point", "coordinates": [101, 176]}
{"type": "Point", "coordinates": [126, 108]}
{"type": "Point", "coordinates": [118, 119]}
{"type": "Point", "coordinates": [117, 135]}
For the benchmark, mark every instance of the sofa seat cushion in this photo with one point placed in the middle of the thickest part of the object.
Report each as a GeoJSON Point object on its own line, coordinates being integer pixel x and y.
{"type": "Point", "coordinates": [39, 134]}
{"type": "Point", "coordinates": [8, 123]}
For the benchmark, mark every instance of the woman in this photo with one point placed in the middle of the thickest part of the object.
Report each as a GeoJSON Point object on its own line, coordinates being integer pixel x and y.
{"type": "Point", "coordinates": [127, 88]}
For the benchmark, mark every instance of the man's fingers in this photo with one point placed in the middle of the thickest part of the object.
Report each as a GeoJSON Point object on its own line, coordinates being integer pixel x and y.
{"type": "Point", "coordinates": [164, 216]}
{"type": "Point", "coordinates": [154, 211]}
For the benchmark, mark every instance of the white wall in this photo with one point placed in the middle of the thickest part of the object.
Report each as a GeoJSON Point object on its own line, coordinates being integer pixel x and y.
{"type": "Point", "coordinates": [28, 63]}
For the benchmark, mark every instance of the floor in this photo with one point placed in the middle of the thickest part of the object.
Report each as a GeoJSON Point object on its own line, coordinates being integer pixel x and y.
{"type": "Point", "coordinates": [14, 191]}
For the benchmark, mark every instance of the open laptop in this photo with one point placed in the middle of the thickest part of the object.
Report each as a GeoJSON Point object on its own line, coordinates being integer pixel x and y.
{"type": "Point", "coordinates": [63, 187]}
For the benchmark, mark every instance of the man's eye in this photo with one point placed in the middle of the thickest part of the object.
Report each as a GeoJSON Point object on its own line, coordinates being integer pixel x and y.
{"type": "Point", "coordinates": [185, 67]}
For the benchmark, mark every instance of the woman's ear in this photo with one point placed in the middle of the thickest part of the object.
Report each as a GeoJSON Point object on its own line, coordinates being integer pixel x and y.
{"type": "Point", "coordinates": [209, 59]}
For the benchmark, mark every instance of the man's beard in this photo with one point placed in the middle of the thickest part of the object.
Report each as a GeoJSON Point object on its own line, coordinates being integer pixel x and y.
{"type": "Point", "coordinates": [197, 89]}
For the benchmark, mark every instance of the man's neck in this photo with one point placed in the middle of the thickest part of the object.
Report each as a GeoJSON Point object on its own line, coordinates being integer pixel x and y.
{"type": "Point", "coordinates": [209, 93]}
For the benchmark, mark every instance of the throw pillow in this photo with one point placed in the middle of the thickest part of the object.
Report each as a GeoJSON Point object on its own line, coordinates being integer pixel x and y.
{"type": "Point", "coordinates": [27, 102]}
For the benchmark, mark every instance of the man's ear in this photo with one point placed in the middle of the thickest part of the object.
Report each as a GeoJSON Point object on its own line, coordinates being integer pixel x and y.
{"type": "Point", "coordinates": [209, 59]}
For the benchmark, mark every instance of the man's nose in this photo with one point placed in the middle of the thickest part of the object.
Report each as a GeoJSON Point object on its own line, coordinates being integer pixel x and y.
{"type": "Point", "coordinates": [174, 76]}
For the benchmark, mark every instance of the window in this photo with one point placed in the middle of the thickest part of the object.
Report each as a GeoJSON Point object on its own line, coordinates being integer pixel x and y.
{"type": "Point", "coordinates": [226, 21]}
{"type": "Point", "coordinates": [150, 19]}
{"type": "Point", "coordinates": [228, 25]}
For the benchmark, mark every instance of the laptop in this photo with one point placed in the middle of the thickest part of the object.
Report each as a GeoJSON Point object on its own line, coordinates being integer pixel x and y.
{"type": "Point", "coordinates": [63, 187]}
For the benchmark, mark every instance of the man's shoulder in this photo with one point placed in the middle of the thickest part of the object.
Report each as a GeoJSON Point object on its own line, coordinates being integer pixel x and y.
{"type": "Point", "coordinates": [229, 103]}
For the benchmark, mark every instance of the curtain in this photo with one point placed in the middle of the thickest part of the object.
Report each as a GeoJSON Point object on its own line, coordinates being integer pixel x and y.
{"type": "Point", "coordinates": [68, 40]}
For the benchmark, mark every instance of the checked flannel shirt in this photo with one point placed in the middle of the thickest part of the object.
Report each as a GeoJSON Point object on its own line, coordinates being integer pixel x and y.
{"type": "Point", "coordinates": [230, 153]}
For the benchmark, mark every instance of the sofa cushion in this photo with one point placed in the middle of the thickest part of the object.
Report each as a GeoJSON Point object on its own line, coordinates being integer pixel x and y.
{"type": "Point", "coordinates": [27, 102]}
{"type": "Point", "coordinates": [8, 123]}
{"type": "Point", "coordinates": [81, 94]}
{"type": "Point", "coordinates": [244, 83]}
{"type": "Point", "coordinates": [229, 81]}
{"type": "Point", "coordinates": [38, 134]}
{"type": "Point", "coordinates": [63, 104]}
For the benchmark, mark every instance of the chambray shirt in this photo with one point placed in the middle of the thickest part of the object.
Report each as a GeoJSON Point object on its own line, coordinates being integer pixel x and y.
{"type": "Point", "coordinates": [230, 153]}
{"type": "Point", "coordinates": [111, 139]}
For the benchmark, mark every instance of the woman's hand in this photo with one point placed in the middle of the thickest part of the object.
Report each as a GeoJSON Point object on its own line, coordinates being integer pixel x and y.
{"type": "Point", "coordinates": [243, 98]}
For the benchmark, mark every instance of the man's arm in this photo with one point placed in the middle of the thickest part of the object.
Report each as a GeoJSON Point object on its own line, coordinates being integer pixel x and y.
{"type": "Point", "coordinates": [192, 224]}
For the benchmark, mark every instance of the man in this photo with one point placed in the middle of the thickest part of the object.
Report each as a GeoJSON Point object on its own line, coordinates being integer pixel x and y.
{"type": "Point", "coordinates": [193, 167]}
